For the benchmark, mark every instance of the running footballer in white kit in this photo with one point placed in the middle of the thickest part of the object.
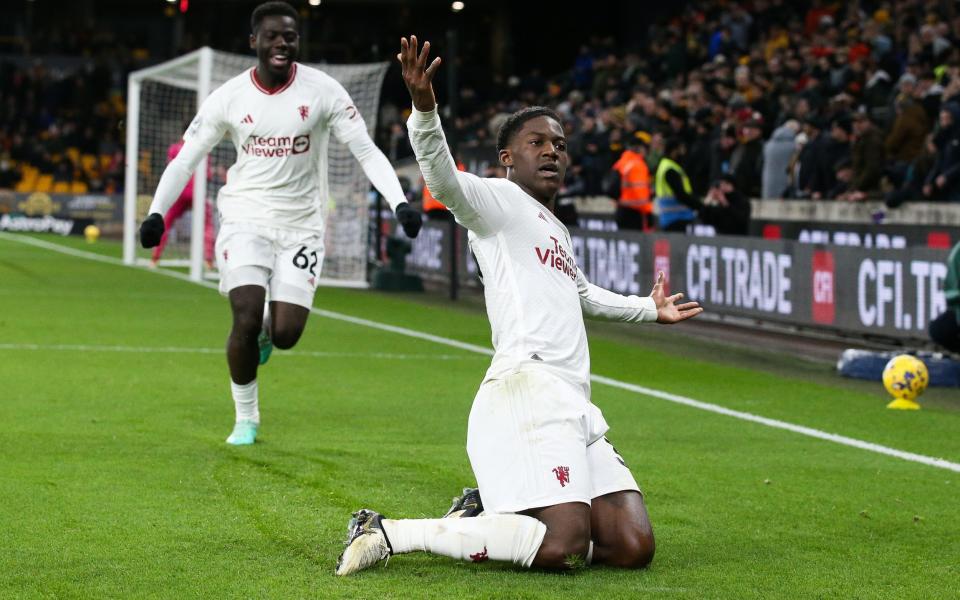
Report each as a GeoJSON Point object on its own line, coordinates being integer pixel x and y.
{"type": "Point", "coordinates": [279, 116]}
{"type": "Point", "coordinates": [556, 492]}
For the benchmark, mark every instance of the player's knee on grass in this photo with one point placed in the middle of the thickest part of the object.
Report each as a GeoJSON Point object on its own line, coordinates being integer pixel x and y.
{"type": "Point", "coordinates": [633, 549]}
{"type": "Point", "coordinates": [567, 540]}
{"type": "Point", "coordinates": [563, 550]}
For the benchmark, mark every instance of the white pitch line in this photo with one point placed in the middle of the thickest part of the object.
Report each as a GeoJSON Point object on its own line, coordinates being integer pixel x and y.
{"type": "Point", "coordinates": [677, 399]}
{"type": "Point", "coordinates": [195, 350]}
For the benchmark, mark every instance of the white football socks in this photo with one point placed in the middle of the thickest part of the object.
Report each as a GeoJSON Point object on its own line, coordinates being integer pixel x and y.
{"type": "Point", "coordinates": [514, 538]}
{"type": "Point", "coordinates": [245, 401]}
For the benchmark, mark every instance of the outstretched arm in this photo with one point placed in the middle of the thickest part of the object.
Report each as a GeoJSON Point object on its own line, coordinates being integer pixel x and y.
{"type": "Point", "coordinates": [471, 199]}
{"type": "Point", "coordinates": [381, 174]}
{"type": "Point", "coordinates": [204, 132]}
{"type": "Point", "coordinates": [598, 303]}
{"type": "Point", "coordinates": [348, 126]}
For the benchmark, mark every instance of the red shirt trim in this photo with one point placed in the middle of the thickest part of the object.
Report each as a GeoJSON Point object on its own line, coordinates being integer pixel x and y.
{"type": "Point", "coordinates": [257, 84]}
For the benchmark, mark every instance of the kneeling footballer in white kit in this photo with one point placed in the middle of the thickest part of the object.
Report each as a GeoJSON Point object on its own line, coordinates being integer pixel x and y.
{"type": "Point", "coordinates": [556, 492]}
{"type": "Point", "coordinates": [279, 116]}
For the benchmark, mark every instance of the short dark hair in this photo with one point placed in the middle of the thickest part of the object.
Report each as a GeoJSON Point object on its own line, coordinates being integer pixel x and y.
{"type": "Point", "coordinates": [269, 9]}
{"type": "Point", "coordinates": [671, 145]}
{"type": "Point", "coordinates": [513, 124]}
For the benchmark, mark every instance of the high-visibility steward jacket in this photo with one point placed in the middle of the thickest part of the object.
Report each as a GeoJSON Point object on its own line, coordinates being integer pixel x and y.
{"type": "Point", "coordinates": [429, 202]}
{"type": "Point", "coordinates": [634, 182]}
{"type": "Point", "coordinates": [670, 210]}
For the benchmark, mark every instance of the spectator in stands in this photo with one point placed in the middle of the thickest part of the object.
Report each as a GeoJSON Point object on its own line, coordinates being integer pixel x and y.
{"type": "Point", "coordinates": [867, 159]}
{"type": "Point", "coordinates": [724, 208]}
{"type": "Point", "coordinates": [746, 161]}
{"type": "Point", "coordinates": [907, 135]}
{"type": "Point", "coordinates": [672, 190]}
{"type": "Point", "coordinates": [945, 328]}
{"type": "Point", "coordinates": [721, 152]}
{"type": "Point", "coordinates": [591, 146]}
{"type": "Point", "coordinates": [632, 176]}
{"type": "Point", "coordinates": [811, 144]}
{"type": "Point", "coordinates": [843, 179]}
{"type": "Point", "coordinates": [836, 148]}
{"type": "Point", "coordinates": [943, 180]}
{"type": "Point", "coordinates": [911, 186]}
{"type": "Point", "coordinates": [778, 153]}
{"type": "Point", "coordinates": [700, 151]}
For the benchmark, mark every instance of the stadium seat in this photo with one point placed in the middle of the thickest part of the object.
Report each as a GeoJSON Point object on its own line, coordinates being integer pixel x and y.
{"type": "Point", "coordinates": [28, 179]}
{"type": "Point", "coordinates": [78, 187]}
{"type": "Point", "coordinates": [88, 162]}
{"type": "Point", "coordinates": [44, 183]}
{"type": "Point", "coordinates": [60, 187]}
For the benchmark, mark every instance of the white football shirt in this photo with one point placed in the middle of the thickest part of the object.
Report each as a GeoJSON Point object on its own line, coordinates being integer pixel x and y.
{"type": "Point", "coordinates": [535, 294]}
{"type": "Point", "coordinates": [281, 138]}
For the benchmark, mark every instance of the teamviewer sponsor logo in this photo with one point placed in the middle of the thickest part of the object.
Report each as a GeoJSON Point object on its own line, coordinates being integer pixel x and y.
{"type": "Point", "coordinates": [273, 146]}
{"type": "Point", "coordinates": [824, 308]}
{"type": "Point", "coordinates": [555, 256]}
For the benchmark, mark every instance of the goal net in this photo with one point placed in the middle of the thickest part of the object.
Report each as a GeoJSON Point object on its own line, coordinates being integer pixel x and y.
{"type": "Point", "coordinates": [163, 99]}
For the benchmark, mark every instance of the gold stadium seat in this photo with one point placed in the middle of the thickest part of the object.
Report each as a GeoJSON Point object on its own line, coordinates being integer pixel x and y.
{"type": "Point", "coordinates": [44, 183]}
{"type": "Point", "coordinates": [88, 162]}
{"type": "Point", "coordinates": [78, 187]}
{"type": "Point", "coordinates": [61, 187]}
{"type": "Point", "coordinates": [28, 181]}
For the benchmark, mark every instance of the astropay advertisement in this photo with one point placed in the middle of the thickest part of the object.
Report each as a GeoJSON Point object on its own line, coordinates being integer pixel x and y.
{"type": "Point", "coordinates": [888, 292]}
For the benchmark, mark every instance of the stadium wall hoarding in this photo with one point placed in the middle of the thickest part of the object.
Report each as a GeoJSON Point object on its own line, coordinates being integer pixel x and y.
{"type": "Point", "coordinates": [64, 214]}
{"type": "Point", "coordinates": [890, 293]}
{"type": "Point", "coordinates": [864, 235]}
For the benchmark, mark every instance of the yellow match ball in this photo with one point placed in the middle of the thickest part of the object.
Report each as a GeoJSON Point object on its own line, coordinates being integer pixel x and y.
{"type": "Point", "coordinates": [905, 377]}
{"type": "Point", "coordinates": [92, 233]}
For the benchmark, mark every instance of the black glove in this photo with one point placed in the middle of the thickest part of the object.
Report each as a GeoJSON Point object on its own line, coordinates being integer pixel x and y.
{"type": "Point", "coordinates": [410, 219]}
{"type": "Point", "coordinates": [151, 230]}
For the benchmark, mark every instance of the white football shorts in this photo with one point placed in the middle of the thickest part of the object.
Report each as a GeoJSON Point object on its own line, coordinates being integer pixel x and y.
{"type": "Point", "coordinates": [286, 262]}
{"type": "Point", "coordinates": [534, 440]}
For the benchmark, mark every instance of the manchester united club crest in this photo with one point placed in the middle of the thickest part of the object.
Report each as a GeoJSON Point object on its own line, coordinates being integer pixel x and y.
{"type": "Point", "coordinates": [480, 556]}
{"type": "Point", "coordinates": [563, 475]}
{"type": "Point", "coordinates": [304, 112]}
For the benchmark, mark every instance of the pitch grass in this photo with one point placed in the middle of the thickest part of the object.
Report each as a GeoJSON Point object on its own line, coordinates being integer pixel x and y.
{"type": "Point", "coordinates": [116, 481]}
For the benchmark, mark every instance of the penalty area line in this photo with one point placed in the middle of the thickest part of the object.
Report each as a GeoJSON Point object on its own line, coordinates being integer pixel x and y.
{"type": "Point", "coordinates": [615, 383]}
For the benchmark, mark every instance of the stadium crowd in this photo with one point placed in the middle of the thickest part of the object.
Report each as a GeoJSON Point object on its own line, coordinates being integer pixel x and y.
{"type": "Point", "coordinates": [841, 101]}
{"type": "Point", "coordinates": [60, 127]}
{"type": "Point", "coordinates": [844, 101]}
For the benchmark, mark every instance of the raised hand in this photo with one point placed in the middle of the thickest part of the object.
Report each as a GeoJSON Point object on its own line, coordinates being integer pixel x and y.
{"type": "Point", "coordinates": [416, 74]}
{"type": "Point", "coordinates": [668, 311]}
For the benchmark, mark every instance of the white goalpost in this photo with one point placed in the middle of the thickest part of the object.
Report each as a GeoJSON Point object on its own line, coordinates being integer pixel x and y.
{"type": "Point", "coordinates": [161, 101]}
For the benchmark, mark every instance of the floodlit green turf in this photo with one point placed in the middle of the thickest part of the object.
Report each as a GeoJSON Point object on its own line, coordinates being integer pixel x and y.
{"type": "Point", "coordinates": [116, 481]}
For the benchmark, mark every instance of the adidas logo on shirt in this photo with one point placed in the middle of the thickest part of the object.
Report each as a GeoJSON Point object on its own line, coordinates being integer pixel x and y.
{"type": "Point", "coordinates": [247, 119]}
